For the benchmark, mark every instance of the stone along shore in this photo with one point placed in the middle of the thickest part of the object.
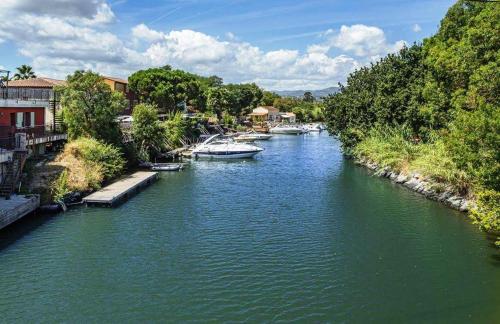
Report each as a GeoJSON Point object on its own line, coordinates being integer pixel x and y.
{"type": "Point", "coordinates": [422, 185]}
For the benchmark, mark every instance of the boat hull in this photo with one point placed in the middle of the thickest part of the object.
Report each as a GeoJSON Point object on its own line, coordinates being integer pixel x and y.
{"type": "Point", "coordinates": [252, 138]}
{"type": "Point", "coordinates": [224, 155]}
{"type": "Point", "coordinates": [292, 131]}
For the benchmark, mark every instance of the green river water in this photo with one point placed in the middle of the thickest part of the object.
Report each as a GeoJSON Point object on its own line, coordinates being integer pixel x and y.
{"type": "Point", "coordinates": [298, 234]}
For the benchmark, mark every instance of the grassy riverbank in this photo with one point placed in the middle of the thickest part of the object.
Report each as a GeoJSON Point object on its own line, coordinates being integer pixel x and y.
{"type": "Point", "coordinates": [433, 109]}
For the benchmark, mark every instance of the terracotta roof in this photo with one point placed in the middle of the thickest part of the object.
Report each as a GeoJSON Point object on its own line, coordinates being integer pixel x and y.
{"type": "Point", "coordinates": [36, 83]}
{"type": "Point", "coordinates": [115, 79]}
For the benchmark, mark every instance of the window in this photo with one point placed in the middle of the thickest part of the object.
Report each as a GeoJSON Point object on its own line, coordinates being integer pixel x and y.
{"type": "Point", "coordinates": [19, 119]}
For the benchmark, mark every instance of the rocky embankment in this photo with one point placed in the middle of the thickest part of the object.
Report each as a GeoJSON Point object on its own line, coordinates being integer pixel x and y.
{"type": "Point", "coordinates": [427, 187]}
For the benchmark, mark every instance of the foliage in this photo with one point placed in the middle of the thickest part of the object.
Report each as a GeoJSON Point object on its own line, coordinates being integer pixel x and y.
{"type": "Point", "coordinates": [243, 98]}
{"type": "Point", "coordinates": [308, 97]}
{"type": "Point", "coordinates": [166, 88]}
{"type": "Point", "coordinates": [90, 107]}
{"type": "Point", "coordinates": [170, 89]}
{"type": "Point", "coordinates": [444, 94]}
{"type": "Point", "coordinates": [228, 119]}
{"type": "Point", "coordinates": [175, 128]}
{"type": "Point", "coordinates": [24, 72]}
{"type": "Point", "coordinates": [389, 147]}
{"type": "Point", "coordinates": [304, 109]}
{"type": "Point", "coordinates": [474, 142]}
{"type": "Point", "coordinates": [218, 100]}
{"type": "Point", "coordinates": [147, 131]}
{"type": "Point", "coordinates": [88, 162]}
{"type": "Point", "coordinates": [435, 161]}
{"type": "Point", "coordinates": [268, 98]}
{"type": "Point", "coordinates": [386, 93]}
{"type": "Point", "coordinates": [487, 212]}
{"type": "Point", "coordinates": [60, 187]}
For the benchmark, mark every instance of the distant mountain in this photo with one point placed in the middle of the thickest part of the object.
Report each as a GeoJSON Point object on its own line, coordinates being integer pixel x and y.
{"type": "Point", "coordinates": [300, 93]}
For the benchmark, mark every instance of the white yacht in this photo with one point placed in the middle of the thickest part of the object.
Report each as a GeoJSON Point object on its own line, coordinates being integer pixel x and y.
{"type": "Point", "coordinates": [313, 127]}
{"type": "Point", "coordinates": [252, 136]}
{"type": "Point", "coordinates": [217, 148]}
{"type": "Point", "coordinates": [287, 129]}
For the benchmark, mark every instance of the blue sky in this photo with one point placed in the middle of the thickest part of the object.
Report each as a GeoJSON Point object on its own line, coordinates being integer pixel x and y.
{"type": "Point", "coordinates": [276, 43]}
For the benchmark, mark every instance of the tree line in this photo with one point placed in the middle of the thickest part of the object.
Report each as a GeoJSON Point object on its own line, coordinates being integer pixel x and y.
{"type": "Point", "coordinates": [440, 99]}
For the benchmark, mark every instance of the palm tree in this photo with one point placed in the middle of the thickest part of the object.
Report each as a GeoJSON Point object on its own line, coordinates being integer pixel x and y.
{"type": "Point", "coordinates": [24, 72]}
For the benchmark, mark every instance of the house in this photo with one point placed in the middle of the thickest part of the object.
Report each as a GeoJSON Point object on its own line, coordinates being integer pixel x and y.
{"type": "Point", "coordinates": [30, 103]}
{"type": "Point", "coordinates": [28, 125]}
{"type": "Point", "coordinates": [121, 85]}
{"type": "Point", "coordinates": [288, 117]}
{"type": "Point", "coordinates": [264, 113]}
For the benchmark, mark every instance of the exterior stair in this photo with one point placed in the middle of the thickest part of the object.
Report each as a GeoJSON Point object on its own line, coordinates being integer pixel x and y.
{"type": "Point", "coordinates": [13, 174]}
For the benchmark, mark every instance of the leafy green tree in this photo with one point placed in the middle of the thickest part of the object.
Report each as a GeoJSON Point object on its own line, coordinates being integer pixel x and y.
{"type": "Point", "coordinates": [166, 88]}
{"type": "Point", "coordinates": [147, 131]}
{"type": "Point", "coordinates": [474, 141]}
{"type": "Point", "coordinates": [175, 129]}
{"type": "Point", "coordinates": [388, 92]}
{"type": "Point", "coordinates": [90, 107]}
{"type": "Point", "coordinates": [286, 103]}
{"type": "Point", "coordinates": [268, 98]}
{"type": "Point", "coordinates": [446, 93]}
{"type": "Point", "coordinates": [218, 100]}
{"type": "Point", "coordinates": [308, 97]}
{"type": "Point", "coordinates": [24, 72]}
{"type": "Point", "coordinates": [242, 98]}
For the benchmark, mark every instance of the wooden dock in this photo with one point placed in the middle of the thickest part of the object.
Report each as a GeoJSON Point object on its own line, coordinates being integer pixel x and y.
{"type": "Point", "coordinates": [17, 207]}
{"type": "Point", "coordinates": [122, 189]}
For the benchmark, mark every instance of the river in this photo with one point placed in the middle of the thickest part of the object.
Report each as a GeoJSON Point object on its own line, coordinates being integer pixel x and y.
{"type": "Point", "coordinates": [299, 233]}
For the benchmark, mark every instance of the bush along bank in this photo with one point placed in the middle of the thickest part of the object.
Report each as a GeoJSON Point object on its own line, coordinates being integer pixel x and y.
{"type": "Point", "coordinates": [429, 116]}
{"type": "Point", "coordinates": [87, 163]}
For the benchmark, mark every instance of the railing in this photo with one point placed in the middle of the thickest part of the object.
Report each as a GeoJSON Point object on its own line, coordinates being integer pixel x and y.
{"type": "Point", "coordinates": [7, 134]}
{"type": "Point", "coordinates": [27, 94]}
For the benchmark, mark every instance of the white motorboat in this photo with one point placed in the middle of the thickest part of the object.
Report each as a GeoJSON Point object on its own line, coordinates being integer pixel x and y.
{"type": "Point", "coordinates": [287, 129]}
{"type": "Point", "coordinates": [217, 148]}
{"type": "Point", "coordinates": [252, 136]}
{"type": "Point", "coordinates": [313, 127]}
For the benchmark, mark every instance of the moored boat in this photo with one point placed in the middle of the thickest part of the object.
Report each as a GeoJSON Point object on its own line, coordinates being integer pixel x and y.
{"type": "Point", "coordinates": [217, 148]}
{"type": "Point", "coordinates": [313, 127]}
{"type": "Point", "coordinates": [252, 136]}
{"type": "Point", "coordinates": [287, 129]}
{"type": "Point", "coordinates": [166, 167]}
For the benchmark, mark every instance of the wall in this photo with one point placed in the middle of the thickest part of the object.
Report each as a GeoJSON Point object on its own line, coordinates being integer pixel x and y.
{"type": "Point", "coordinates": [6, 111]}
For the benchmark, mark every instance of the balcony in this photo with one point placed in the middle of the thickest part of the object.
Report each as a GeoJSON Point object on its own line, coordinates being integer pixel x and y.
{"type": "Point", "coordinates": [34, 135]}
{"type": "Point", "coordinates": [27, 94]}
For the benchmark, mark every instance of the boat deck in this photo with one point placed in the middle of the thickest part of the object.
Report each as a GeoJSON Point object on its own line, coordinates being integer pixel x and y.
{"type": "Point", "coordinates": [122, 189]}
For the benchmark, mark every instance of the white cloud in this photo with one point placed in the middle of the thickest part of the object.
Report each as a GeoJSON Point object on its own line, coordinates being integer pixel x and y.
{"type": "Point", "coordinates": [142, 32]}
{"type": "Point", "coordinates": [417, 28]}
{"type": "Point", "coordinates": [75, 37]}
{"type": "Point", "coordinates": [231, 36]}
{"type": "Point", "coordinates": [362, 40]}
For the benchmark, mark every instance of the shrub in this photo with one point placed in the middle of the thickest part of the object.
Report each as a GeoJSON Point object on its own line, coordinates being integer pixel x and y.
{"type": "Point", "coordinates": [487, 212]}
{"type": "Point", "coordinates": [175, 129]}
{"type": "Point", "coordinates": [435, 162]}
{"type": "Point", "coordinates": [147, 131]}
{"type": "Point", "coordinates": [88, 163]}
{"type": "Point", "coordinates": [388, 147]}
{"type": "Point", "coordinates": [59, 187]}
